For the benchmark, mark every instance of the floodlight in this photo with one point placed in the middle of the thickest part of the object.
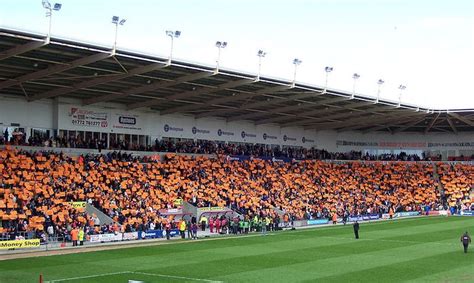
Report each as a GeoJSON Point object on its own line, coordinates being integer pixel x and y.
{"type": "Point", "coordinates": [57, 6]}
{"type": "Point", "coordinates": [355, 76]}
{"type": "Point", "coordinates": [177, 33]}
{"type": "Point", "coordinates": [261, 53]}
{"type": "Point", "coordinates": [297, 61]}
{"type": "Point", "coordinates": [402, 87]}
{"type": "Point", "coordinates": [380, 82]}
{"type": "Point", "coordinates": [46, 4]}
{"type": "Point", "coordinates": [328, 69]}
{"type": "Point", "coordinates": [115, 19]}
{"type": "Point", "coordinates": [122, 22]}
{"type": "Point", "coordinates": [219, 45]}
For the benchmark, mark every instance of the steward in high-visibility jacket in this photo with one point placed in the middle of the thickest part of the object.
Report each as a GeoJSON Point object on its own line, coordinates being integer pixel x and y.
{"type": "Point", "coordinates": [81, 236]}
{"type": "Point", "coordinates": [182, 228]}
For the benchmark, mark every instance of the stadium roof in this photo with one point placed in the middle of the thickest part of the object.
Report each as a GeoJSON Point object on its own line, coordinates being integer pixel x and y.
{"type": "Point", "coordinates": [33, 68]}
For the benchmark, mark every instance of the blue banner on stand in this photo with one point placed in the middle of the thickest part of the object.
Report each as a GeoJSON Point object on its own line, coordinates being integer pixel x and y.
{"type": "Point", "coordinates": [318, 222]}
{"type": "Point", "coordinates": [153, 234]}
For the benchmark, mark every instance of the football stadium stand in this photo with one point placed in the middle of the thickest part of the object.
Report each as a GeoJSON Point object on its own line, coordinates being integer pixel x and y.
{"type": "Point", "coordinates": [40, 189]}
{"type": "Point", "coordinates": [109, 140]}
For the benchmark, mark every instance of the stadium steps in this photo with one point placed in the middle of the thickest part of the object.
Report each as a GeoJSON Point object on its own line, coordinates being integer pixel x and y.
{"type": "Point", "coordinates": [104, 218]}
{"type": "Point", "coordinates": [438, 180]}
{"type": "Point", "coordinates": [189, 208]}
{"type": "Point", "coordinates": [279, 211]}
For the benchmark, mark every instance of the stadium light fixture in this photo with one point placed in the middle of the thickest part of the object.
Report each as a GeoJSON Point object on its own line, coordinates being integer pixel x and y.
{"type": "Point", "coordinates": [172, 35]}
{"type": "Point", "coordinates": [296, 62]}
{"type": "Point", "coordinates": [327, 70]}
{"type": "Point", "coordinates": [401, 88]}
{"type": "Point", "coordinates": [220, 45]}
{"type": "Point", "coordinates": [49, 13]}
{"type": "Point", "coordinates": [380, 82]}
{"type": "Point", "coordinates": [260, 55]}
{"type": "Point", "coordinates": [117, 21]}
{"type": "Point", "coordinates": [355, 76]}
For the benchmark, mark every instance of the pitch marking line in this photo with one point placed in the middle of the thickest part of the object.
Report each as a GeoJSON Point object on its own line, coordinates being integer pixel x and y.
{"type": "Point", "coordinates": [85, 277]}
{"type": "Point", "coordinates": [133, 272]}
{"type": "Point", "coordinates": [392, 241]}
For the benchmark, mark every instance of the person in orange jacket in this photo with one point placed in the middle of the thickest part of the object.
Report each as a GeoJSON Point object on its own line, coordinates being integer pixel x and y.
{"type": "Point", "coordinates": [74, 236]}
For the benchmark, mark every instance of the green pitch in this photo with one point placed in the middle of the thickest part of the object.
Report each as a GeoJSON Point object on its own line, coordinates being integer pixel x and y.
{"type": "Point", "coordinates": [417, 250]}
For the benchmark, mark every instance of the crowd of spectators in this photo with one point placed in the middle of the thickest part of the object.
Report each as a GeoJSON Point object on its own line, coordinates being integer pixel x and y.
{"type": "Point", "coordinates": [36, 188]}
{"type": "Point", "coordinates": [213, 147]}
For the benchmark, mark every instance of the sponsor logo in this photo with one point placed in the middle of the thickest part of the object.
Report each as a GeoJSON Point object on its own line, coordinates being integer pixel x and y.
{"type": "Point", "coordinates": [130, 236]}
{"type": "Point", "coordinates": [451, 144]}
{"type": "Point", "coordinates": [224, 133]}
{"type": "Point", "coordinates": [77, 204]}
{"type": "Point", "coordinates": [287, 138]}
{"type": "Point", "coordinates": [127, 120]}
{"type": "Point", "coordinates": [167, 128]}
{"type": "Point", "coordinates": [266, 136]}
{"type": "Point", "coordinates": [407, 213]}
{"type": "Point", "coordinates": [215, 208]}
{"type": "Point", "coordinates": [467, 212]}
{"type": "Point", "coordinates": [244, 135]}
{"type": "Point", "coordinates": [87, 118]}
{"type": "Point", "coordinates": [195, 130]}
{"type": "Point", "coordinates": [105, 238]}
{"type": "Point", "coordinates": [318, 222]}
{"type": "Point", "coordinates": [304, 139]}
{"type": "Point", "coordinates": [19, 244]}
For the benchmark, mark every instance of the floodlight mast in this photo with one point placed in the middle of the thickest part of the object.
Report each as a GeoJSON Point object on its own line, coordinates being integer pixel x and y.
{"type": "Point", "coordinates": [355, 76]}
{"type": "Point", "coordinates": [401, 88]}
{"type": "Point", "coordinates": [117, 21]}
{"type": "Point", "coordinates": [327, 70]}
{"type": "Point", "coordinates": [380, 82]}
{"type": "Point", "coordinates": [172, 35]}
{"type": "Point", "coordinates": [49, 13]}
{"type": "Point", "coordinates": [296, 62]}
{"type": "Point", "coordinates": [260, 55]}
{"type": "Point", "coordinates": [220, 45]}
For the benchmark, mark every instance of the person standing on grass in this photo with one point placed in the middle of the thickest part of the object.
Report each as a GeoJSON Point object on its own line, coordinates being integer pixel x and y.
{"type": "Point", "coordinates": [264, 226]}
{"type": "Point", "coordinates": [203, 223]}
{"type": "Point", "coordinates": [466, 240]}
{"type": "Point", "coordinates": [74, 236]}
{"type": "Point", "coordinates": [182, 228]}
{"type": "Point", "coordinates": [190, 229]}
{"type": "Point", "coordinates": [168, 230]}
{"type": "Point", "coordinates": [195, 231]}
{"type": "Point", "coordinates": [211, 224]}
{"type": "Point", "coordinates": [356, 229]}
{"type": "Point", "coordinates": [81, 236]}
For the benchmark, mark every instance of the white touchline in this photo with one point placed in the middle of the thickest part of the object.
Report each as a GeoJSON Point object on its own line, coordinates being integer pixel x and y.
{"type": "Point", "coordinates": [85, 277]}
{"type": "Point", "coordinates": [176, 277]}
{"type": "Point", "coordinates": [132, 272]}
{"type": "Point", "coordinates": [393, 241]}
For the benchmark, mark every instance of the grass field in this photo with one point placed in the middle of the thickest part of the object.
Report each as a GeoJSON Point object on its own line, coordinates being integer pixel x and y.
{"type": "Point", "coordinates": [416, 250]}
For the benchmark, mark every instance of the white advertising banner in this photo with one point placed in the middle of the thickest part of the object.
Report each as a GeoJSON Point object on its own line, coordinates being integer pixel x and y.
{"type": "Point", "coordinates": [87, 119]}
{"type": "Point", "coordinates": [105, 238]}
{"type": "Point", "coordinates": [127, 122]}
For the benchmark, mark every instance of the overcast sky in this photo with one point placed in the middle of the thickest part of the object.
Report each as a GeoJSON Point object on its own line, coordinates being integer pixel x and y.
{"type": "Point", "coordinates": [427, 45]}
